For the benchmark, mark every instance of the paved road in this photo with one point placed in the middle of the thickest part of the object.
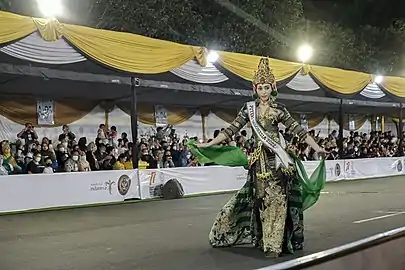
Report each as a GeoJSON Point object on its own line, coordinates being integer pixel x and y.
{"type": "Point", "coordinates": [173, 234]}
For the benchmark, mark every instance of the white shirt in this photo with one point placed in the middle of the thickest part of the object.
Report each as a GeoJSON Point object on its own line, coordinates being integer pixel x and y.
{"type": "Point", "coordinates": [48, 170]}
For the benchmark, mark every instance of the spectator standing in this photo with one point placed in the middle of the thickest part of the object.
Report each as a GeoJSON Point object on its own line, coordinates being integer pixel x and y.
{"type": "Point", "coordinates": [28, 134]}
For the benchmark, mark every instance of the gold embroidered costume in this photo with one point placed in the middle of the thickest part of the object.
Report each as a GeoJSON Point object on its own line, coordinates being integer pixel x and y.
{"type": "Point", "coordinates": [267, 212]}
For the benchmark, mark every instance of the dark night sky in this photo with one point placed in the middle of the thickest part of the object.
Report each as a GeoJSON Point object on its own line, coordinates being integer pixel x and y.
{"type": "Point", "coordinates": [347, 12]}
{"type": "Point", "coordinates": [352, 13]}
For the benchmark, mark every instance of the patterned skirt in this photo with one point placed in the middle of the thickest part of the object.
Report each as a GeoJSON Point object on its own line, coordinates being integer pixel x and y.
{"type": "Point", "coordinates": [266, 212]}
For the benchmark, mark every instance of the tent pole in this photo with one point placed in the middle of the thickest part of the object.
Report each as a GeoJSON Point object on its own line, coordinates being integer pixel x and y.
{"type": "Point", "coordinates": [400, 131]}
{"type": "Point", "coordinates": [341, 115]}
{"type": "Point", "coordinates": [134, 121]}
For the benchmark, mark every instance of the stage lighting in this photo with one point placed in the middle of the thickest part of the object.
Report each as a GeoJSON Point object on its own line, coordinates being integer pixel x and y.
{"type": "Point", "coordinates": [378, 79]}
{"type": "Point", "coordinates": [305, 53]}
{"type": "Point", "coordinates": [212, 57]}
{"type": "Point", "coordinates": [50, 8]}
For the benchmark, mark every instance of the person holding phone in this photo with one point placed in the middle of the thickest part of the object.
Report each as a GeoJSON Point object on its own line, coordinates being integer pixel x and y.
{"type": "Point", "coordinates": [28, 134]}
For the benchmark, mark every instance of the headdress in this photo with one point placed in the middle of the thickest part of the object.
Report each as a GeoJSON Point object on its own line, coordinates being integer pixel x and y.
{"type": "Point", "coordinates": [264, 73]}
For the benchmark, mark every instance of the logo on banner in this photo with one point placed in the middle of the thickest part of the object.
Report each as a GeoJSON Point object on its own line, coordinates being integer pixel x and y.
{"type": "Point", "coordinates": [109, 185]}
{"type": "Point", "coordinates": [152, 178]}
{"type": "Point", "coordinates": [349, 169]}
{"type": "Point", "coordinates": [241, 176]}
{"type": "Point", "coordinates": [124, 183]}
{"type": "Point", "coordinates": [155, 185]}
{"type": "Point", "coordinates": [106, 186]}
{"type": "Point", "coordinates": [347, 166]}
{"type": "Point", "coordinates": [338, 170]}
{"type": "Point", "coordinates": [399, 166]}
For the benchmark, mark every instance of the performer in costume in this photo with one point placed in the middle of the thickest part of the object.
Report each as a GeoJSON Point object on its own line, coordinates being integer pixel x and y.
{"type": "Point", "coordinates": [268, 211]}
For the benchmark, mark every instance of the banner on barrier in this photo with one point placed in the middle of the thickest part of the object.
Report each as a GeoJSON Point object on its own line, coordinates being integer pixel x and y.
{"type": "Point", "coordinates": [25, 192]}
{"type": "Point", "coordinates": [151, 182]}
{"type": "Point", "coordinates": [359, 168]}
{"type": "Point", "coordinates": [376, 167]}
{"type": "Point", "coordinates": [38, 191]}
{"type": "Point", "coordinates": [195, 180]}
{"type": "Point", "coordinates": [334, 169]}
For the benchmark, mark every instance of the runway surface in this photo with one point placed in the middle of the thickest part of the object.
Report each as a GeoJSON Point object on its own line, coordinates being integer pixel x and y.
{"type": "Point", "coordinates": [173, 234]}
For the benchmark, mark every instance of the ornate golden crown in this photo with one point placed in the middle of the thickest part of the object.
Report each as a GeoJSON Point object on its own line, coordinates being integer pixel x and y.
{"type": "Point", "coordinates": [264, 73]}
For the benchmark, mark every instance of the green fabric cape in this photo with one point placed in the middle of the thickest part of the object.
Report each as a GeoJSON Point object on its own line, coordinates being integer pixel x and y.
{"type": "Point", "coordinates": [234, 157]}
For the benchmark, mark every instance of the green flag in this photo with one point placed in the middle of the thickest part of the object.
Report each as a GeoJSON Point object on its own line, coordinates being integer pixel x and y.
{"type": "Point", "coordinates": [221, 155]}
{"type": "Point", "coordinates": [232, 156]}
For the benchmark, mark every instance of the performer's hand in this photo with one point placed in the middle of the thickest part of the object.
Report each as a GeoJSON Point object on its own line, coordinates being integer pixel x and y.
{"type": "Point", "coordinates": [203, 145]}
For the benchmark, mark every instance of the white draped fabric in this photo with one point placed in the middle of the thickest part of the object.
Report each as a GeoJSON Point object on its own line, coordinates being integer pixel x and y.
{"type": "Point", "coordinates": [302, 83]}
{"type": "Point", "coordinates": [192, 71]}
{"type": "Point", "coordinates": [33, 48]}
{"type": "Point", "coordinates": [372, 91]}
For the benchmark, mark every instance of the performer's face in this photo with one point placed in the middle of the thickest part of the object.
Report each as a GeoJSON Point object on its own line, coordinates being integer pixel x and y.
{"type": "Point", "coordinates": [264, 91]}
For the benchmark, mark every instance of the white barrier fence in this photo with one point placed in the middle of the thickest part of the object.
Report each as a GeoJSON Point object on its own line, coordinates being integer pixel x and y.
{"type": "Point", "coordinates": [29, 192]}
{"type": "Point", "coordinates": [195, 180]}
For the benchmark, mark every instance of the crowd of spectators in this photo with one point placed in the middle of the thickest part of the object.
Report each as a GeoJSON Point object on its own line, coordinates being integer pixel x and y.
{"type": "Point", "coordinates": [356, 145]}
{"type": "Point", "coordinates": [165, 149]}
{"type": "Point", "coordinates": [110, 151]}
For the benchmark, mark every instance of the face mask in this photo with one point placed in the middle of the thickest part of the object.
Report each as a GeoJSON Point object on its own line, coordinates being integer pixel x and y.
{"type": "Point", "coordinates": [37, 159]}
{"type": "Point", "coordinates": [75, 158]}
{"type": "Point", "coordinates": [188, 156]}
{"type": "Point", "coordinates": [83, 158]}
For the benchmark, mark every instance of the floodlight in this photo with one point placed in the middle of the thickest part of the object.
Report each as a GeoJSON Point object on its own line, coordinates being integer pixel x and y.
{"type": "Point", "coordinates": [212, 57]}
{"type": "Point", "coordinates": [305, 52]}
{"type": "Point", "coordinates": [50, 8]}
{"type": "Point", "coordinates": [378, 79]}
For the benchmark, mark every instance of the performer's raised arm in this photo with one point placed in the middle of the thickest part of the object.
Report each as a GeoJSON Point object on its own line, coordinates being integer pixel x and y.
{"type": "Point", "coordinates": [290, 123]}
{"type": "Point", "coordinates": [237, 124]}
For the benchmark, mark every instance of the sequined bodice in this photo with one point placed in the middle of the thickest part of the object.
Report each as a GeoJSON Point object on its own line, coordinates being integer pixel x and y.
{"type": "Point", "coordinates": [269, 122]}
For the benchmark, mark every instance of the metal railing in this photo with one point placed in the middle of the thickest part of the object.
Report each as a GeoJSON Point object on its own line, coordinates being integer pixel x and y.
{"type": "Point", "coordinates": [382, 251]}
